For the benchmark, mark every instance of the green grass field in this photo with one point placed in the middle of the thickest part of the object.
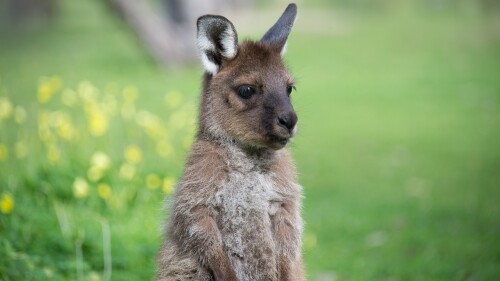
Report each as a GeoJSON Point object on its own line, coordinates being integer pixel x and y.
{"type": "Point", "coordinates": [398, 144]}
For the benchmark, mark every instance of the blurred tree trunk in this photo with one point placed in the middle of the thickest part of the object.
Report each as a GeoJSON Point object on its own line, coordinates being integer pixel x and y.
{"type": "Point", "coordinates": [170, 40]}
{"type": "Point", "coordinates": [163, 41]}
{"type": "Point", "coordinates": [21, 12]}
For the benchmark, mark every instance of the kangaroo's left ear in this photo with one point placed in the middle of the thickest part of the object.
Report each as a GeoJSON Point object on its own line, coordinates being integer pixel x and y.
{"type": "Point", "coordinates": [277, 35]}
{"type": "Point", "coordinates": [217, 41]}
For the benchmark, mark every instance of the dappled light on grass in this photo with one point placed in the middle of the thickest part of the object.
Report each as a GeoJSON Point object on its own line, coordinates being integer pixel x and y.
{"type": "Point", "coordinates": [78, 159]}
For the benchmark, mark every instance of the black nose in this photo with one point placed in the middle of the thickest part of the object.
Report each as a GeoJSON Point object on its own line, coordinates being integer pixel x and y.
{"type": "Point", "coordinates": [288, 120]}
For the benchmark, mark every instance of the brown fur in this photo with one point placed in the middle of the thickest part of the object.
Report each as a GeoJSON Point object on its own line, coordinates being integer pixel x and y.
{"type": "Point", "coordinates": [236, 211]}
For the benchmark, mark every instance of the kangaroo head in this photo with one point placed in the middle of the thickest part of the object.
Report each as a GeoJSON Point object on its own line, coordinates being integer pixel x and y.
{"type": "Point", "coordinates": [247, 87]}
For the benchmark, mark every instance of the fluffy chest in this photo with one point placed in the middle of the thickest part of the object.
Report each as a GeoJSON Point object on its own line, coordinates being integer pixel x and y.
{"type": "Point", "coordinates": [247, 201]}
{"type": "Point", "coordinates": [246, 194]}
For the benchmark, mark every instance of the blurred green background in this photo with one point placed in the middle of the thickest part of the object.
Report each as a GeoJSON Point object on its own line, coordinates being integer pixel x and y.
{"type": "Point", "coordinates": [398, 147]}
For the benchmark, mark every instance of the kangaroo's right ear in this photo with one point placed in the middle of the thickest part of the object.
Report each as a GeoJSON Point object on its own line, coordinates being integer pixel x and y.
{"type": "Point", "coordinates": [277, 35]}
{"type": "Point", "coordinates": [217, 41]}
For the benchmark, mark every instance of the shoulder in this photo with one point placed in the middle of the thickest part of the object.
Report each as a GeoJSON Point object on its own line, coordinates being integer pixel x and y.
{"type": "Point", "coordinates": [205, 166]}
{"type": "Point", "coordinates": [204, 152]}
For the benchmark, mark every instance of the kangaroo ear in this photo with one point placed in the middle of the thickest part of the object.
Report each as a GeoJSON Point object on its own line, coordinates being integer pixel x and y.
{"type": "Point", "coordinates": [277, 35]}
{"type": "Point", "coordinates": [217, 41]}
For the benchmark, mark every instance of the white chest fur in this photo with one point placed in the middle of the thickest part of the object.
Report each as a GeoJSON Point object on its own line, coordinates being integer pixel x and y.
{"type": "Point", "coordinates": [247, 187]}
{"type": "Point", "coordinates": [247, 201]}
{"type": "Point", "coordinates": [248, 192]}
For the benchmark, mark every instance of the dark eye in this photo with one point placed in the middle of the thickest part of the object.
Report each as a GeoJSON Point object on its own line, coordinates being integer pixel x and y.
{"type": "Point", "coordinates": [245, 91]}
{"type": "Point", "coordinates": [290, 88]}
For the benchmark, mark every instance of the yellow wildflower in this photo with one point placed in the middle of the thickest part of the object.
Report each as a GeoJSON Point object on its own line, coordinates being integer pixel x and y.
{"type": "Point", "coordinates": [183, 117]}
{"type": "Point", "coordinates": [20, 114]}
{"type": "Point", "coordinates": [6, 203]}
{"type": "Point", "coordinates": [110, 103]}
{"type": "Point", "coordinates": [66, 131]}
{"type": "Point", "coordinates": [62, 122]}
{"type": "Point", "coordinates": [100, 160]}
{"type": "Point", "coordinates": [21, 149]}
{"type": "Point", "coordinates": [44, 93]}
{"type": "Point", "coordinates": [104, 190]}
{"type": "Point", "coordinates": [4, 153]}
{"type": "Point", "coordinates": [98, 123]}
{"type": "Point", "coordinates": [164, 148]}
{"type": "Point", "coordinates": [5, 108]}
{"type": "Point", "coordinates": [53, 154]}
{"type": "Point", "coordinates": [43, 119]}
{"type": "Point", "coordinates": [130, 94]}
{"type": "Point", "coordinates": [127, 171]}
{"type": "Point", "coordinates": [95, 174]}
{"type": "Point", "coordinates": [173, 99]}
{"type": "Point", "coordinates": [144, 118]}
{"type": "Point", "coordinates": [80, 188]}
{"type": "Point", "coordinates": [168, 185]}
{"type": "Point", "coordinates": [133, 154]}
{"type": "Point", "coordinates": [156, 132]}
{"type": "Point", "coordinates": [153, 181]}
{"type": "Point", "coordinates": [151, 123]}
{"type": "Point", "coordinates": [46, 135]}
{"type": "Point", "coordinates": [48, 87]}
{"type": "Point", "coordinates": [87, 91]}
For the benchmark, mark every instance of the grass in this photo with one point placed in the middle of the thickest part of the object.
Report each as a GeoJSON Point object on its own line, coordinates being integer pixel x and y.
{"type": "Point", "coordinates": [405, 183]}
{"type": "Point", "coordinates": [397, 146]}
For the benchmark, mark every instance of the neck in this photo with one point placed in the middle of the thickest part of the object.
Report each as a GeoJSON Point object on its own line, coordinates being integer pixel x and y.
{"type": "Point", "coordinates": [241, 156]}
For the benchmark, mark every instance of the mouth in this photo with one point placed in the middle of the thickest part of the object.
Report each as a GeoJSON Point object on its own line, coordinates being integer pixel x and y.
{"type": "Point", "coordinates": [282, 141]}
{"type": "Point", "coordinates": [278, 142]}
